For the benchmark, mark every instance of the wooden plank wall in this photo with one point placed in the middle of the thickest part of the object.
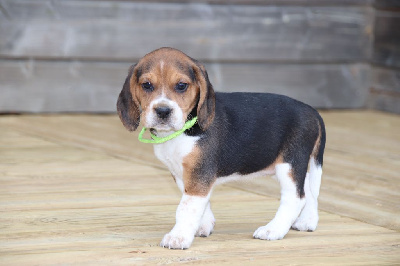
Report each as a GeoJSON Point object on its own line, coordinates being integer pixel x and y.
{"type": "Point", "coordinates": [58, 56]}
{"type": "Point", "coordinates": [385, 79]}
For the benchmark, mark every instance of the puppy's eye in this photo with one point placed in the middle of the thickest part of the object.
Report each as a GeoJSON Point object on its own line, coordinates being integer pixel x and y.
{"type": "Point", "coordinates": [181, 87]}
{"type": "Point", "coordinates": [147, 86]}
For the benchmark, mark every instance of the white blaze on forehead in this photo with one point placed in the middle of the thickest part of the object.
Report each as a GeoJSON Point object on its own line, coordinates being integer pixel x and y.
{"type": "Point", "coordinates": [163, 100]}
{"type": "Point", "coordinates": [161, 66]}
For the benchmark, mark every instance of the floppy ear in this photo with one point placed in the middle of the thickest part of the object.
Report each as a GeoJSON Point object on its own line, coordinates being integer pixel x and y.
{"type": "Point", "coordinates": [128, 108]}
{"type": "Point", "coordinates": [206, 105]}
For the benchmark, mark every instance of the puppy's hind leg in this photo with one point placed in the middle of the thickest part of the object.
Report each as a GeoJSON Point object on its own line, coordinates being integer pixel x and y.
{"type": "Point", "coordinates": [290, 207]}
{"type": "Point", "coordinates": [308, 219]}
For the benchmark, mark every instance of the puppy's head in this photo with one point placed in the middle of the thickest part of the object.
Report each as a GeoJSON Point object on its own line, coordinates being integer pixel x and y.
{"type": "Point", "coordinates": [162, 89]}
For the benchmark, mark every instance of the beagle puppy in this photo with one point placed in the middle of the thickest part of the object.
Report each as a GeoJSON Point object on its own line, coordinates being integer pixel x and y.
{"type": "Point", "coordinates": [237, 136]}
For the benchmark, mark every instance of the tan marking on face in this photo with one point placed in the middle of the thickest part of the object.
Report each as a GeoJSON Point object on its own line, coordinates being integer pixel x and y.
{"type": "Point", "coordinates": [164, 69]}
{"type": "Point", "coordinates": [193, 185]}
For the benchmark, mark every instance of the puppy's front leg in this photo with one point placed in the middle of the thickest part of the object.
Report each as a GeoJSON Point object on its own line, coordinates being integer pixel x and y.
{"type": "Point", "coordinates": [207, 223]}
{"type": "Point", "coordinates": [188, 217]}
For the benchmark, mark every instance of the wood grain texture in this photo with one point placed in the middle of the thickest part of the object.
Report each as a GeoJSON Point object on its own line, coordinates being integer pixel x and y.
{"type": "Point", "coordinates": [31, 86]}
{"type": "Point", "coordinates": [386, 44]}
{"type": "Point", "coordinates": [109, 30]}
{"type": "Point", "coordinates": [321, 42]}
{"type": "Point", "coordinates": [387, 4]}
{"type": "Point", "coordinates": [64, 200]}
{"type": "Point", "coordinates": [381, 100]}
{"type": "Point", "coordinates": [361, 158]}
{"type": "Point", "coordinates": [385, 80]}
{"type": "Point", "coordinates": [43, 86]}
{"type": "Point", "coordinates": [385, 89]}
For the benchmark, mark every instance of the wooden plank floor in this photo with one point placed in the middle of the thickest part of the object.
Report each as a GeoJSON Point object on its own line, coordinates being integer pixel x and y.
{"type": "Point", "coordinates": [79, 189]}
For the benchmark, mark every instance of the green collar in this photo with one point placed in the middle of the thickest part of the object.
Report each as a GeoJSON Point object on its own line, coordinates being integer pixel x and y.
{"type": "Point", "coordinates": [158, 140]}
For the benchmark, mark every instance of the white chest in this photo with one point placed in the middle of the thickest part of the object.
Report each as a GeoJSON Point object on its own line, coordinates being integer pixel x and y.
{"type": "Point", "coordinates": [172, 153]}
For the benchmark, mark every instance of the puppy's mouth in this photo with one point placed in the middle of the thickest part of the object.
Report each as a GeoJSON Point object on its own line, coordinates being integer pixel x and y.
{"type": "Point", "coordinates": [162, 131]}
{"type": "Point", "coordinates": [153, 131]}
{"type": "Point", "coordinates": [163, 127]}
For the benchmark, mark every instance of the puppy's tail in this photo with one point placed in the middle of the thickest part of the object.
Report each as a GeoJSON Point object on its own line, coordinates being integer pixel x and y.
{"type": "Point", "coordinates": [317, 160]}
{"type": "Point", "coordinates": [319, 156]}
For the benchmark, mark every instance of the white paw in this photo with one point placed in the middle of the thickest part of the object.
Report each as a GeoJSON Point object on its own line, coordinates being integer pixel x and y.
{"type": "Point", "coordinates": [206, 228]}
{"type": "Point", "coordinates": [271, 231]}
{"type": "Point", "coordinates": [207, 224]}
{"type": "Point", "coordinates": [176, 241]}
{"type": "Point", "coordinates": [306, 223]}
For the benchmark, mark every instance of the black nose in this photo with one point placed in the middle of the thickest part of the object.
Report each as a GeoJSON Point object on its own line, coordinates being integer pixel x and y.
{"type": "Point", "coordinates": [163, 112]}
